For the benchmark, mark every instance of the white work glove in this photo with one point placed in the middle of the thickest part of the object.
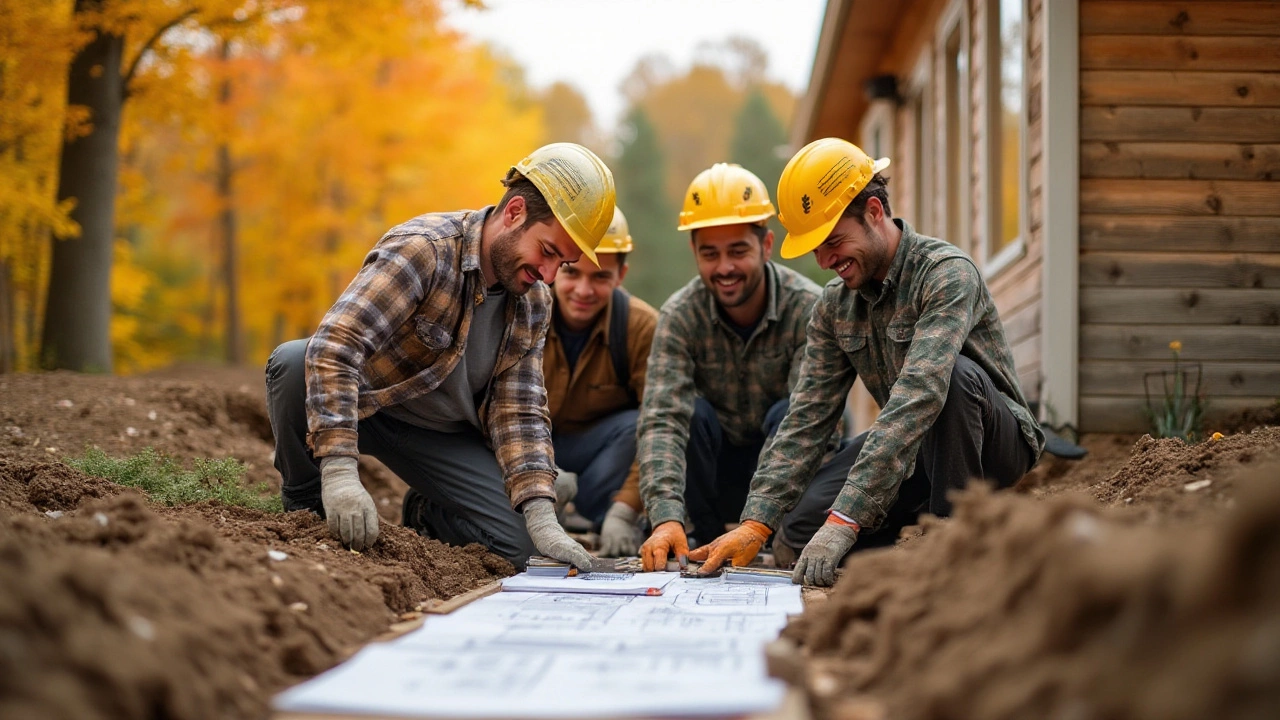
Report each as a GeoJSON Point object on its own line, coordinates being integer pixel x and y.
{"type": "Point", "coordinates": [619, 536]}
{"type": "Point", "coordinates": [347, 505]}
{"type": "Point", "coordinates": [566, 490]}
{"type": "Point", "coordinates": [820, 558]}
{"type": "Point", "coordinates": [551, 539]}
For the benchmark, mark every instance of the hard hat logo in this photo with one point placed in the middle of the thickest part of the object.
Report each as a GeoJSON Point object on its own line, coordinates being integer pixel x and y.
{"type": "Point", "coordinates": [579, 188]}
{"type": "Point", "coordinates": [831, 170]}
{"type": "Point", "coordinates": [725, 194]}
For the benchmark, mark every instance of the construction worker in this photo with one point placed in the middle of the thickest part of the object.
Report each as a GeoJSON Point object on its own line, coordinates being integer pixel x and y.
{"type": "Point", "coordinates": [725, 356]}
{"type": "Point", "coordinates": [913, 318]}
{"type": "Point", "coordinates": [594, 366]}
{"type": "Point", "coordinates": [431, 361]}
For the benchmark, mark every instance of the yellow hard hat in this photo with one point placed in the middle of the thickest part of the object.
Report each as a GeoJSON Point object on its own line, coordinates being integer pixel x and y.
{"type": "Point", "coordinates": [816, 186]}
{"type": "Point", "coordinates": [617, 239]}
{"type": "Point", "coordinates": [725, 194]}
{"type": "Point", "coordinates": [579, 188]}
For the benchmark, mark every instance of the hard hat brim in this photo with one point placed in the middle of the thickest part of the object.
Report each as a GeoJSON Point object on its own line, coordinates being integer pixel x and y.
{"type": "Point", "coordinates": [795, 245]}
{"type": "Point", "coordinates": [717, 222]}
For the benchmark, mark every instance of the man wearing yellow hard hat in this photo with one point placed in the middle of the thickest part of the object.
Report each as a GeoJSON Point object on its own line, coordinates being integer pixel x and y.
{"type": "Point", "coordinates": [431, 361]}
{"type": "Point", "coordinates": [725, 356]}
{"type": "Point", "coordinates": [594, 365]}
{"type": "Point", "coordinates": [912, 317]}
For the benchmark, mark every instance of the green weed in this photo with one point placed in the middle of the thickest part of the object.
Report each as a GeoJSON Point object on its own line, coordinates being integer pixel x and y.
{"type": "Point", "coordinates": [167, 482]}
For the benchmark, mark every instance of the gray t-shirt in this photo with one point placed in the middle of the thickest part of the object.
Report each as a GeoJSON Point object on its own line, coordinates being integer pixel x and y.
{"type": "Point", "coordinates": [453, 406]}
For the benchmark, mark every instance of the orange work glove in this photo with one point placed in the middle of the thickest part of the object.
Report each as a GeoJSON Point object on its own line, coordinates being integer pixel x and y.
{"type": "Point", "coordinates": [738, 546]}
{"type": "Point", "coordinates": [667, 538]}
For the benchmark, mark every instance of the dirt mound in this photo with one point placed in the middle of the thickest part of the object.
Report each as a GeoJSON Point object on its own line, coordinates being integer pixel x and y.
{"type": "Point", "coordinates": [116, 608]}
{"type": "Point", "coordinates": [1025, 607]}
{"type": "Point", "coordinates": [1250, 418]}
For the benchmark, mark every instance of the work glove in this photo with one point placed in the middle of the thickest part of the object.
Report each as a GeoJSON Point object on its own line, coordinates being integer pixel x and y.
{"type": "Point", "coordinates": [619, 536]}
{"type": "Point", "coordinates": [551, 539]}
{"type": "Point", "coordinates": [566, 489]}
{"type": "Point", "coordinates": [738, 547]}
{"type": "Point", "coordinates": [350, 511]}
{"type": "Point", "coordinates": [667, 538]}
{"type": "Point", "coordinates": [820, 558]}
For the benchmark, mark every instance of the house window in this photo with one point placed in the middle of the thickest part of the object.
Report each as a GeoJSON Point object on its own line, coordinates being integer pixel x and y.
{"type": "Point", "coordinates": [956, 70]}
{"type": "Point", "coordinates": [1007, 126]}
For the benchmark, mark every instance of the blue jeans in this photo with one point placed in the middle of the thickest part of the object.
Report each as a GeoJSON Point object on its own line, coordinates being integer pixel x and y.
{"type": "Point", "coordinates": [602, 457]}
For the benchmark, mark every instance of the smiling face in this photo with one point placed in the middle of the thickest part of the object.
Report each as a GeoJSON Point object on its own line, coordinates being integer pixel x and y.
{"type": "Point", "coordinates": [856, 252]}
{"type": "Point", "coordinates": [583, 290]}
{"type": "Point", "coordinates": [521, 256]}
{"type": "Point", "coordinates": [731, 262]}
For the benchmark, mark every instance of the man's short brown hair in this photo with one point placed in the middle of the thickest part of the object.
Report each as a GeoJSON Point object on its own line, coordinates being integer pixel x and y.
{"type": "Point", "coordinates": [536, 208]}
{"type": "Point", "coordinates": [877, 187]}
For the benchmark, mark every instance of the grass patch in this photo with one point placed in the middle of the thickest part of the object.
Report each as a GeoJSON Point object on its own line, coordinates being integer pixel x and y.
{"type": "Point", "coordinates": [167, 482]}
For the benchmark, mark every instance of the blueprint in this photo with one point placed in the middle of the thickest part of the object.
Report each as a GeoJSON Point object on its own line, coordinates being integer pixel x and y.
{"type": "Point", "coordinates": [549, 654]}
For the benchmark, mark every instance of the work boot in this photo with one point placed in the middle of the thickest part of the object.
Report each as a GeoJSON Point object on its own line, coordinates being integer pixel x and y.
{"type": "Point", "coordinates": [413, 513]}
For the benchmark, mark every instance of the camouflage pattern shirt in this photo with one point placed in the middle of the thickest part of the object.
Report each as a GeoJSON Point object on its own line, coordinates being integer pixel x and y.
{"type": "Point", "coordinates": [901, 336]}
{"type": "Point", "coordinates": [401, 327]}
{"type": "Point", "coordinates": [695, 354]}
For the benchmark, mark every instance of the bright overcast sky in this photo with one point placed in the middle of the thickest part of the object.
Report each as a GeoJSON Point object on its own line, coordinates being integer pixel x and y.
{"type": "Point", "coordinates": [594, 44]}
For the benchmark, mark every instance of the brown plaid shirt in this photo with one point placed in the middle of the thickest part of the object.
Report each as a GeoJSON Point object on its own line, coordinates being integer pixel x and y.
{"type": "Point", "coordinates": [902, 339]}
{"type": "Point", "coordinates": [400, 328]}
{"type": "Point", "coordinates": [695, 354]}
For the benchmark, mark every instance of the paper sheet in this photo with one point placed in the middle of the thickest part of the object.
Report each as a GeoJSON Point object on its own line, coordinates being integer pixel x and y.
{"type": "Point", "coordinates": [544, 655]}
{"type": "Point", "coordinates": [594, 583]}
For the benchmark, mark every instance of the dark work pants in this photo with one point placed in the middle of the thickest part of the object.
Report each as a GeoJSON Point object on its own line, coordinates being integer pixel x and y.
{"type": "Point", "coordinates": [718, 474]}
{"type": "Point", "coordinates": [460, 493]}
{"type": "Point", "coordinates": [975, 436]}
{"type": "Point", "coordinates": [602, 457]}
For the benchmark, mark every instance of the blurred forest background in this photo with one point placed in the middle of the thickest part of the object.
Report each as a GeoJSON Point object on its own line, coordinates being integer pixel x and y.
{"type": "Point", "coordinates": [185, 179]}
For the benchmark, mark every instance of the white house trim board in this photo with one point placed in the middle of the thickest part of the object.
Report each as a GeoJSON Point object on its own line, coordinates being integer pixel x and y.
{"type": "Point", "coordinates": [1059, 299]}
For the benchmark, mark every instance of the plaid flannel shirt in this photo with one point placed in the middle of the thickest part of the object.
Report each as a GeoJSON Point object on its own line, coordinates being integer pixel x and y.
{"type": "Point", "coordinates": [902, 340]}
{"type": "Point", "coordinates": [401, 327]}
{"type": "Point", "coordinates": [695, 354]}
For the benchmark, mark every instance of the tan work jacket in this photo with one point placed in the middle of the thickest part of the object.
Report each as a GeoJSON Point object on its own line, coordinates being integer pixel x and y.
{"type": "Point", "coordinates": [594, 390]}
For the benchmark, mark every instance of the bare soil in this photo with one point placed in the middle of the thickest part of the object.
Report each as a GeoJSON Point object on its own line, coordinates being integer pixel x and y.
{"type": "Point", "coordinates": [114, 607]}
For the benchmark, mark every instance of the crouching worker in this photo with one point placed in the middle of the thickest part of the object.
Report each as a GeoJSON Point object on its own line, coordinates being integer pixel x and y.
{"type": "Point", "coordinates": [913, 318]}
{"type": "Point", "coordinates": [594, 366]}
{"type": "Point", "coordinates": [431, 361]}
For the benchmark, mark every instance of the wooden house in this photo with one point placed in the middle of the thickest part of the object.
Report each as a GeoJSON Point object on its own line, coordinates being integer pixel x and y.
{"type": "Point", "coordinates": [1113, 167]}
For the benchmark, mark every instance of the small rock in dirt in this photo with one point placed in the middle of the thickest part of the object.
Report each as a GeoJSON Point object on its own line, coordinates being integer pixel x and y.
{"type": "Point", "coordinates": [277, 555]}
{"type": "Point", "coordinates": [1197, 485]}
{"type": "Point", "coordinates": [141, 627]}
{"type": "Point", "coordinates": [151, 415]}
{"type": "Point", "coordinates": [277, 581]}
{"type": "Point", "coordinates": [64, 403]}
{"type": "Point", "coordinates": [131, 431]}
{"type": "Point", "coordinates": [130, 402]}
{"type": "Point", "coordinates": [53, 514]}
{"type": "Point", "coordinates": [101, 519]}
{"type": "Point", "coordinates": [298, 607]}
{"type": "Point", "coordinates": [15, 431]}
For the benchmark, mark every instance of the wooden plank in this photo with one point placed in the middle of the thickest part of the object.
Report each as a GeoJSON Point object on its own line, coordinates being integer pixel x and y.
{"type": "Point", "coordinates": [1165, 87]}
{"type": "Point", "coordinates": [436, 606]}
{"type": "Point", "coordinates": [1026, 354]}
{"type": "Point", "coordinates": [1218, 379]}
{"type": "Point", "coordinates": [1192, 306]}
{"type": "Point", "coordinates": [1102, 17]}
{"type": "Point", "coordinates": [1178, 234]}
{"type": "Point", "coordinates": [1180, 197]}
{"type": "Point", "coordinates": [1169, 160]}
{"type": "Point", "coordinates": [1023, 287]}
{"type": "Point", "coordinates": [1029, 381]}
{"type": "Point", "coordinates": [1022, 324]}
{"type": "Point", "coordinates": [1155, 52]}
{"type": "Point", "coordinates": [1199, 342]}
{"type": "Point", "coordinates": [1180, 124]}
{"type": "Point", "coordinates": [1178, 270]}
{"type": "Point", "coordinates": [1126, 414]}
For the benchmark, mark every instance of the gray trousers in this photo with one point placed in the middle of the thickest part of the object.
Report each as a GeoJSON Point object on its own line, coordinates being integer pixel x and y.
{"type": "Point", "coordinates": [975, 436]}
{"type": "Point", "coordinates": [459, 495]}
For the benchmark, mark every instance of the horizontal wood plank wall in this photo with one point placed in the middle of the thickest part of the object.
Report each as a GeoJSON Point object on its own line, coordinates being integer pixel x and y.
{"type": "Point", "coordinates": [1179, 202]}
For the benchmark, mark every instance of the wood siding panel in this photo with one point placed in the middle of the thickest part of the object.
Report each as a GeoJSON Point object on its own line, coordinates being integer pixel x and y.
{"type": "Point", "coordinates": [1022, 324]}
{"type": "Point", "coordinates": [1163, 87]}
{"type": "Point", "coordinates": [1163, 233]}
{"type": "Point", "coordinates": [1195, 306]}
{"type": "Point", "coordinates": [1127, 414]}
{"type": "Point", "coordinates": [1180, 197]}
{"type": "Point", "coordinates": [1176, 270]}
{"type": "Point", "coordinates": [1100, 17]}
{"type": "Point", "coordinates": [1199, 342]}
{"type": "Point", "coordinates": [1155, 52]}
{"type": "Point", "coordinates": [1191, 161]}
{"type": "Point", "coordinates": [1219, 379]}
{"type": "Point", "coordinates": [1180, 124]}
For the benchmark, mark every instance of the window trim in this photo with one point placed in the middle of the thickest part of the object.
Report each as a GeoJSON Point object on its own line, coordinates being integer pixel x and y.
{"type": "Point", "coordinates": [954, 22]}
{"type": "Point", "coordinates": [993, 264]}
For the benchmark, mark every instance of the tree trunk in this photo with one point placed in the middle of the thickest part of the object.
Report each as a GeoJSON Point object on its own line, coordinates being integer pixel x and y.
{"type": "Point", "coordinates": [77, 319]}
{"type": "Point", "coordinates": [8, 325]}
{"type": "Point", "coordinates": [227, 227]}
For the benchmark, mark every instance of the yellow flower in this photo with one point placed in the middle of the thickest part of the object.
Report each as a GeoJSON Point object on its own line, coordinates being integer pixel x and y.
{"type": "Point", "coordinates": [1216, 437]}
{"type": "Point", "coordinates": [1176, 346]}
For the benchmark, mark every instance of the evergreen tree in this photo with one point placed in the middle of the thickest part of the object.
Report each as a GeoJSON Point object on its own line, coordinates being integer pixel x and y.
{"type": "Point", "coordinates": [662, 261]}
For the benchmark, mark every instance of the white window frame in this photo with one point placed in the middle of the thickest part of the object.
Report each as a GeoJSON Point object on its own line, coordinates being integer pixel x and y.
{"type": "Point", "coordinates": [954, 22]}
{"type": "Point", "coordinates": [919, 93]}
{"type": "Point", "coordinates": [993, 265]}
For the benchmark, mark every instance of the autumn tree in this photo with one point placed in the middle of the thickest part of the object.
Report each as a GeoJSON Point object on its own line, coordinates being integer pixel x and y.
{"type": "Point", "coordinates": [567, 116]}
